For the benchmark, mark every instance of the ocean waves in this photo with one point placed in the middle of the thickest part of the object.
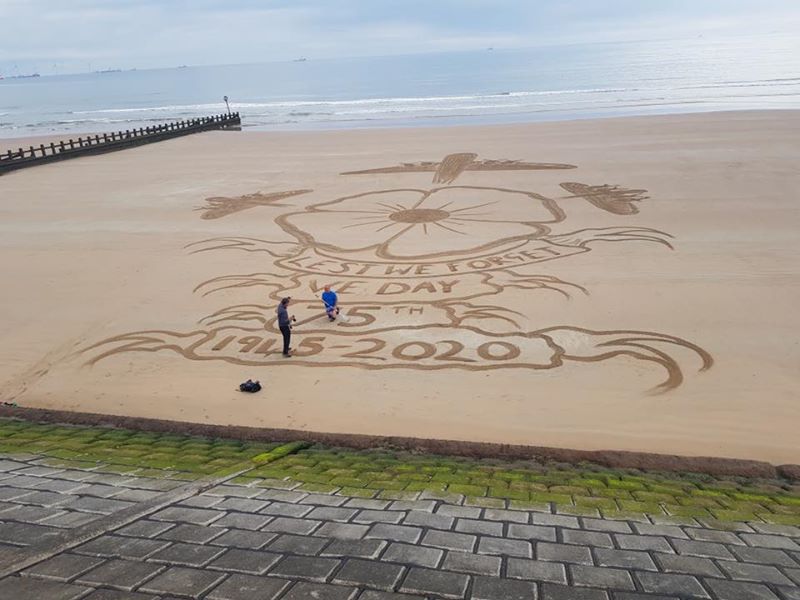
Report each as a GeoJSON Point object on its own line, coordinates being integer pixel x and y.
{"type": "Point", "coordinates": [559, 83]}
{"type": "Point", "coordinates": [412, 108]}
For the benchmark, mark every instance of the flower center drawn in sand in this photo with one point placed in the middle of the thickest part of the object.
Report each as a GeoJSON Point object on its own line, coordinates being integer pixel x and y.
{"type": "Point", "coordinates": [419, 215]}
{"type": "Point", "coordinates": [429, 279]}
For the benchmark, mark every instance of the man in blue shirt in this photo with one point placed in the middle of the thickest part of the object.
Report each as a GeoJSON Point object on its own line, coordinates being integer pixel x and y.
{"type": "Point", "coordinates": [330, 299]}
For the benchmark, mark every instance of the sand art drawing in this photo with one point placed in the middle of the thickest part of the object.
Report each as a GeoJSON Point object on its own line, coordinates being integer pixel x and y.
{"type": "Point", "coordinates": [429, 278]}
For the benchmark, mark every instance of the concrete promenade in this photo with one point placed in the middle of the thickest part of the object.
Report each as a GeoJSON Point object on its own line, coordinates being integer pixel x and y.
{"type": "Point", "coordinates": [88, 534]}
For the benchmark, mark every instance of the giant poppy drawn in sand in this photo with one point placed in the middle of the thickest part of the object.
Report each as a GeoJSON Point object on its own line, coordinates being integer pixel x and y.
{"type": "Point", "coordinates": [430, 277]}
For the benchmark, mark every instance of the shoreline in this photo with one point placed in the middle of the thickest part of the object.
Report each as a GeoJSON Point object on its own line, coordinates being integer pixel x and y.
{"type": "Point", "coordinates": [595, 334]}
{"type": "Point", "coordinates": [258, 129]}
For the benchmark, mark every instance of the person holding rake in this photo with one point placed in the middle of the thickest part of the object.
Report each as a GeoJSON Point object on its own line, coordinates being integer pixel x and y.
{"type": "Point", "coordinates": [331, 300]}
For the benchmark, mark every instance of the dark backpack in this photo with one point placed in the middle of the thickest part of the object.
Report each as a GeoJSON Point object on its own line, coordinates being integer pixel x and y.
{"type": "Point", "coordinates": [250, 386]}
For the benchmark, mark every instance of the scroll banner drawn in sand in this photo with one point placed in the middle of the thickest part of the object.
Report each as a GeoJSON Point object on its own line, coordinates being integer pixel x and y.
{"type": "Point", "coordinates": [426, 278]}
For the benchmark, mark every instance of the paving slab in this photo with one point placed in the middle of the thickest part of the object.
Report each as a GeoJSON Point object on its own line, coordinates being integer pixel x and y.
{"type": "Point", "coordinates": [120, 574]}
{"type": "Point", "coordinates": [183, 581]}
{"type": "Point", "coordinates": [625, 559]}
{"type": "Point", "coordinates": [239, 538]}
{"type": "Point", "coordinates": [736, 590]}
{"type": "Point", "coordinates": [239, 560]}
{"type": "Point", "coordinates": [196, 516]}
{"type": "Point", "coordinates": [64, 567]}
{"type": "Point", "coordinates": [315, 591]}
{"type": "Point", "coordinates": [394, 533]}
{"type": "Point", "coordinates": [409, 554]}
{"type": "Point", "coordinates": [684, 586]}
{"type": "Point", "coordinates": [38, 589]}
{"type": "Point", "coordinates": [238, 520]}
{"type": "Point", "coordinates": [505, 547]}
{"type": "Point", "coordinates": [305, 567]}
{"type": "Point", "coordinates": [355, 548]}
{"type": "Point", "coordinates": [249, 587]}
{"type": "Point", "coordinates": [187, 555]}
{"type": "Point", "coordinates": [441, 583]}
{"type": "Point", "coordinates": [370, 574]}
{"type": "Point", "coordinates": [114, 546]}
{"type": "Point", "coordinates": [601, 577]}
{"type": "Point", "coordinates": [536, 570]}
{"type": "Point", "coordinates": [106, 594]}
{"type": "Point", "coordinates": [492, 588]}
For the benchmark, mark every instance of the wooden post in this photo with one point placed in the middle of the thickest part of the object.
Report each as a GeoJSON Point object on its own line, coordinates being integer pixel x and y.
{"type": "Point", "coordinates": [33, 152]}
{"type": "Point", "coordinates": [61, 145]}
{"type": "Point", "coordinates": [42, 148]}
{"type": "Point", "coordinates": [52, 148]}
{"type": "Point", "coordinates": [71, 144]}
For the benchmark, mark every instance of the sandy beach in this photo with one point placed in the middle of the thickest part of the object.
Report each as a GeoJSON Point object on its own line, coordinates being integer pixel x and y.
{"type": "Point", "coordinates": [625, 284]}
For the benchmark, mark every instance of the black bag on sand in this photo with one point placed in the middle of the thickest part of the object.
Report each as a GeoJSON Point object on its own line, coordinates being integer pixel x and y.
{"type": "Point", "coordinates": [250, 386]}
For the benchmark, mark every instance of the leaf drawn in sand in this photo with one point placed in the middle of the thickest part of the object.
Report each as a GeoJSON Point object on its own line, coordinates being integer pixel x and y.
{"type": "Point", "coordinates": [452, 165]}
{"type": "Point", "coordinates": [611, 198]}
{"type": "Point", "coordinates": [219, 206]}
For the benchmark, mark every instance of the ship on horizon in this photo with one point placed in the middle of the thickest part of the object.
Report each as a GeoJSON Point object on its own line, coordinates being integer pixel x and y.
{"type": "Point", "coordinates": [28, 76]}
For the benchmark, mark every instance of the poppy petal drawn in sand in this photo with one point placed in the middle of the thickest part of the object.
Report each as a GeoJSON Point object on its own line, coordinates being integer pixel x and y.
{"type": "Point", "coordinates": [398, 223]}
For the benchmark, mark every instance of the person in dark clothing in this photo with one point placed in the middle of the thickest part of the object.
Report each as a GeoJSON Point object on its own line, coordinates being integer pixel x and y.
{"type": "Point", "coordinates": [285, 324]}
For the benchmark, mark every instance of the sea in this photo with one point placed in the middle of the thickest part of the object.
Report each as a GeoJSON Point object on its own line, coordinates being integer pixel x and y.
{"type": "Point", "coordinates": [491, 85]}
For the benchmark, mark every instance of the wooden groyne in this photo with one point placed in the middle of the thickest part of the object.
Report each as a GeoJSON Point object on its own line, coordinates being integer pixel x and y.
{"type": "Point", "coordinates": [110, 142]}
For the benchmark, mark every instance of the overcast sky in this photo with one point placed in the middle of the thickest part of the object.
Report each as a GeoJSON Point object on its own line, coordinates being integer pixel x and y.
{"type": "Point", "coordinates": [81, 35]}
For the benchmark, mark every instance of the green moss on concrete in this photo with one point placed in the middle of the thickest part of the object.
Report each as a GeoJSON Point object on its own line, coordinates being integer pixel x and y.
{"type": "Point", "coordinates": [582, 489]}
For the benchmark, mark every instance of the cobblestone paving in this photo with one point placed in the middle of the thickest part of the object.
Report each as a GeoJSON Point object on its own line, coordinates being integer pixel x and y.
{"type": "Point", "coordinates": [237, 541]}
